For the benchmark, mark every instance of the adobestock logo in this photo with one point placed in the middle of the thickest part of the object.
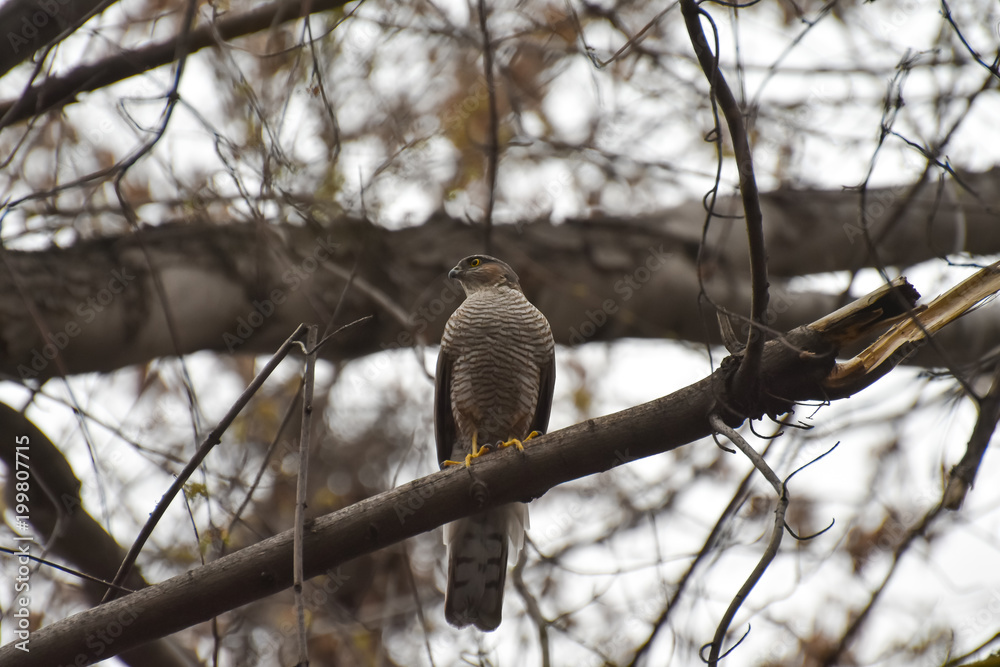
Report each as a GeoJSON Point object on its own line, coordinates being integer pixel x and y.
{"type": "Point", "coordinates": [56, 341]}
{"type": "Point", "coordinates": [297, 275]}
{"type": "Point", "coordinates": [626, 287]}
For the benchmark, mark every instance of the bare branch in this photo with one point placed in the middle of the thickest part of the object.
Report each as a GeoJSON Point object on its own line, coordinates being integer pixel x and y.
{"type": "Point", "coordinates": [964, 472]}
{"type": "Point", "coordinates": [750, 366]}
{"type": "Point", "coordinates": [758, 461]}
{"type": "Point", "coordinates": [493, 145]}
{"type": "Point", "coordinates": [531, 605]}
{"type": "Point", "coordinates": [31, 26]}
{"type": "Point", "coordinates": [859, 618]}
{"type": "Point", "coordinates": [772, 547]}
{"type": "Point", "coordinates": [57, 92]}
{"type": "Point", "coordinates": [993, 69]}
{"type": "Point", "coordinates": [214, 438]}
{"type": "Point", "coordinates": [301, 491]}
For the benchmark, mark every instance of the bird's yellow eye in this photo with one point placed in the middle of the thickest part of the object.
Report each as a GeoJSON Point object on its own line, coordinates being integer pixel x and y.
{"type": "Point", "coordinates": [474, 263]}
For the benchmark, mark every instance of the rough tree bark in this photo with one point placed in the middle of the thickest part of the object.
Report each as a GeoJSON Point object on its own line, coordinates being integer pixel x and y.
{"type": "Point", "coordinates": [94, 306]}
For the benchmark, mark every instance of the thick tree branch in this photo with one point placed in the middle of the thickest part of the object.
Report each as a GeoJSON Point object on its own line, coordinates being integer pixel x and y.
{"type": "Point", "coordinates": [29, 26]}
{"type": "Point", "coordinates": [57, 92]}
{"type": "Point", "coordinates": [600, 279]}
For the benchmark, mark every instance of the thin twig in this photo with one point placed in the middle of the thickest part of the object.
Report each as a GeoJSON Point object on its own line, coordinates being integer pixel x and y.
{"type": "Point", "coordinates": [493, 147]}
{"type": "Point", "coordinates": [758, 461]}
{"type": "Point", "coordinates": [182, 52]}
{"type": "Point", "coordinates": [302, 491]}
{"type": "Point", "coordinates": [213, 438]}
{"type": "Point", "coordinates": [772, 547]}
{"type": "Point", "coordinates": [631, 44]}
{"type": "Point", "coordinates": [334, 158]}
{"type": "Point", "coordinates": [67, 570]}
{"type": "Point", "coordinates": [531, 606]}
{"type": "Point", "coordinates": [710, 541]}
{"type": "Point", "coordinates": [57, 92]}
{"type": "Point", "coordinates": [216, 636]}
{"type": "Point", "coordinates": [340, 303]}
{"type": "Point", "coordinates": [961, 659]}
{"type": "Point", "coordinates": [425, 628]}
{"type": "Point", "coordinates": [713, 538]}
{"type": "Point", "coordinates": [891, 105]}
{"type": "Point", "coordinates": [263, 464]}
{"type": "Point", "coordinates": [993, 69]}
{"type": "Point", "coordinates": [765, 561]}
{"type": "Point", "coordinates": [340, 330]}
{"type": "Point", "coordinates": [749, 368]}
{"type": "Point", "coordinates": [21, 102]}
{"type": "Point", "coordinates": [859, 618]}
{"type": "Point", "coordinates": [964, 473]}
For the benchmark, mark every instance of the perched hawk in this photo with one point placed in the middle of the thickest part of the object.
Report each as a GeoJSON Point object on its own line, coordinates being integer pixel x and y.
{"type": "Point", "coordinates": [495, 375]}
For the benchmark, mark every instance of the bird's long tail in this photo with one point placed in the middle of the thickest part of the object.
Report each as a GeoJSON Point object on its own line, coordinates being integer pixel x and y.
{"type": "Point", "coordinates": [477, 564]}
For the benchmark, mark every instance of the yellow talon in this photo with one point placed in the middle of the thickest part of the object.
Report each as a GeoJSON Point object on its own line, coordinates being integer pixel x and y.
{"type": "Point", "coordinates": [517, 443]}
{"type": "Point", "coordinates": [476, 453]}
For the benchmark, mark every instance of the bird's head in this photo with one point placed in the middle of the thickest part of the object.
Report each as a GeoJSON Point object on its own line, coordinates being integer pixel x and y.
{"type": "Point", "coordinates": [477, 272]}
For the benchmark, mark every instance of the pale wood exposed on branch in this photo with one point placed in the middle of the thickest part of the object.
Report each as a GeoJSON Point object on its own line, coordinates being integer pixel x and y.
{"type": "Point", "coordinates": [912, 328]}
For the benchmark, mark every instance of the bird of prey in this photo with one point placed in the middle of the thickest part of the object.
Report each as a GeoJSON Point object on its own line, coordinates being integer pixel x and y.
{"type": "Point", "coordinates": [495, 375]}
